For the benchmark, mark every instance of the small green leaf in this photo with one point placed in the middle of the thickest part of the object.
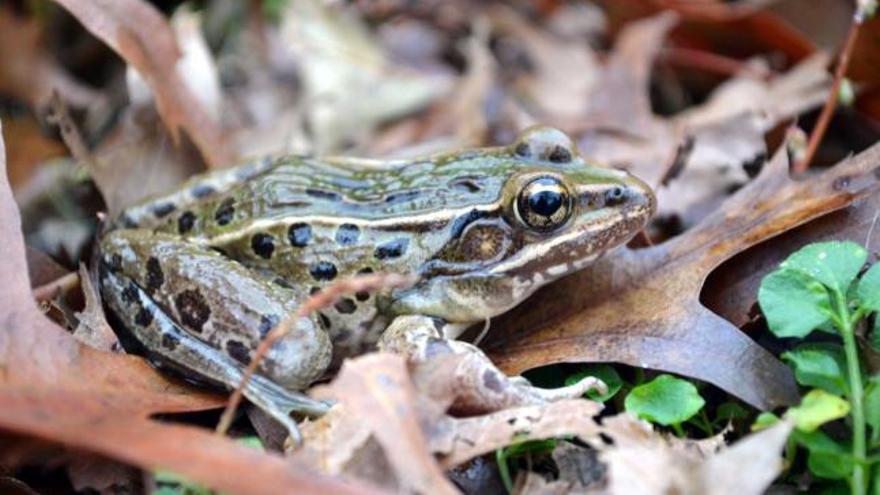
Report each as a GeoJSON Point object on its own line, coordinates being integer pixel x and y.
{"type": "Point", "coordinates": [869, 289]}
{"type": "Point", "coordinates": [820, 365]}
{"type": "Point", "coordinates": [665, 400]}
{"type": "Point", "coordinates": [604, 372]}
{"type": "Point", "coordinates": [817, 408]}
{"type": "Point", "coordinates": [826, 458]}
{"type": "Point", "coordinates": [793, 303]}
{"type": "Point", "coordinates": [764, 420]}
{"type": "Point", "coordinates": [730, 411]}
{"type": "Point", "coordinates": [835, 264]}
{"type": "Point", "coordinates": [872, 405]}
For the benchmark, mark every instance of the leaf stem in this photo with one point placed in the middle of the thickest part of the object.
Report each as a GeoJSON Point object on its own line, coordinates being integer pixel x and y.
{"type": "Point", "coordinates": [847, 331]}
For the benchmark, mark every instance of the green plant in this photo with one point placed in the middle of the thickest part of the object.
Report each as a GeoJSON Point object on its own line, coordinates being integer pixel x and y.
{"type": "Point", "coordinates": [665, 400]}
{"type": "Point", "coordinates": [819, 288]}
{"type": "Point", "coordinates": [502, 456]}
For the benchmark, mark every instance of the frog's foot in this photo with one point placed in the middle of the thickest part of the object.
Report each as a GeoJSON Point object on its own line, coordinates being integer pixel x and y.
{"type": "Point", "coordinates": [479, 386]}
{"type": "Point", "coordinates": [174, 346]}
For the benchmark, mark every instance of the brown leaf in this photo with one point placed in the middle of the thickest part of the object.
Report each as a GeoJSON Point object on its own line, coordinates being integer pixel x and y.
{"type": "Point", "coordinates": [642, 307]}
{"type": "Point", "coordinates": [52, 387]}
{"type": "Point", "coordinates": [377, 389]}
{"type": "Point", "coordinates": [642, 461]}
{"type": "Point", "coordinates": [28, 71]}
{"type": "Point", "coordinates": [142, 36]}
{"type": "Point", "coordinates": [93, 329]}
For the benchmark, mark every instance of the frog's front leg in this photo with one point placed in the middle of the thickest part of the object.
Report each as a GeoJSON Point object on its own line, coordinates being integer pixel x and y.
{"type": "Point", "coordinates": [480, 386]}
{"type": "Point", "coordinates": [199, 310]}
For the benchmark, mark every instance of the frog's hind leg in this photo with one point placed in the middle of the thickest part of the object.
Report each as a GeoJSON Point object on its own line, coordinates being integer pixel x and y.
{"type": "Point", "coordinates": [195, 308]}
{"type": "Point", "coordinates": [479, 386]}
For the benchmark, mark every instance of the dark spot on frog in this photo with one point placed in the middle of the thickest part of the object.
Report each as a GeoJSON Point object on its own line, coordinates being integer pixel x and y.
{"type": "Point", "coordinates": [299, 234]}
{"type": "Point", "coordinates": [263, 245]}
{"type": "Point", "coordinates": [492, 381]}
{"type": "Point", "coordinates": [170, 341]}
{"type": "Point", "coordinates": [238, 351]}
{"type": "Point", "coordinates": [144, 317]}
{"type": "Point", "coordinates": [314, 290]}
{"type": "Point", "coordinates": [467, 184]}
{"type": "Point", "coordinates": [841, 183]}
{"type": "Point", "coordinates": [400, 197]}
{"type": "Point", "coordinates": [559, 154]}
{"type": "Point", "coordinates": [365, 271]}
{"type": "Point", "coordinates": [114, 263]}
{"type": "Point", "coordinates": [342, 335]}
{"type": "Point", "coordinates": [281, 282]}
{"type": "Point", "coordinates": [202, 191]}
{"type": "Point", "coordinates": [162, 210]}
{"type": "Point", "coordinates": [225, 212]}
{"type": "Point", "coordinates": [130, 293]}
{"type": "Point", "coordinates": [192, 309]}
{"type": "Point", "coordinates": [155, 277]}
{"type": "Point", "coordinates": [391, 249]}
{"type": "Point", "coordinates": [323, 270]}
{"type": "Point", "coordinates": [186, 222]}
{"type": "Point", "coordinates": [347, 234]}
{"type": "Point", "coordinates": [323, 194]}
{"type": "Point", "coordinates": [437, 347]}
{"type": "Point", "coordinates": [362, 296]}
{"type": "Point", "coordinates": [267, 323]}
{"type": "Point", "coordinates": [523, 150]}
{"type": "Point", "coordinates": [615, 196]}
{"type": "Point", "coordinates": [324, 321]}
{"type": "Point", "coordinates": [753, 167]}
{"type": "Point", "coordinates": [345, 306]}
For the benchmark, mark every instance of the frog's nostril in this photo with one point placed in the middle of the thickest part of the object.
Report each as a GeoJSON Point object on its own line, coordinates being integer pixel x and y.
{"type": "Point", "coordinates": [615, 195]}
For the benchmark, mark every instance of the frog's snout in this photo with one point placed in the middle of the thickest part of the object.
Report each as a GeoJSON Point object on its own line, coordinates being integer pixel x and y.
{"type": "Point", "coordinates": [638, 196]}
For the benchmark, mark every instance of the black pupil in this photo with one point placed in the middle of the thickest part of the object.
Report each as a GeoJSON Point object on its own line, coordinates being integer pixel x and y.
{"type": "Point", "coordinates": [545, 203]}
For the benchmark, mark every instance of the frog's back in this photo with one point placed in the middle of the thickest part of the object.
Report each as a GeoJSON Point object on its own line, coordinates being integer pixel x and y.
{"type": "Point", "coordinates": [307, 188]}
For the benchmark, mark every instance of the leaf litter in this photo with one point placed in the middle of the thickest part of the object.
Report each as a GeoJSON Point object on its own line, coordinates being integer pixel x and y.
{"type": "Point", "coordinates": [390, 427]}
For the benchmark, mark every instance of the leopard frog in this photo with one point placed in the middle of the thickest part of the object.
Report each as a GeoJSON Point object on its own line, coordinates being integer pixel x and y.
{"type": "Point", "coordinates": [200, 275]}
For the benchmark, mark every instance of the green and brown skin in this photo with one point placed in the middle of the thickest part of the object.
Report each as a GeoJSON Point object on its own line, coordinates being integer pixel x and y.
{"type": "Point", "coordinates": [200, 275]}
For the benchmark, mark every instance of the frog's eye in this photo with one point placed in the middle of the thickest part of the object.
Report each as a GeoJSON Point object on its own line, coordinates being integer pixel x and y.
{"type": "Point", "coordinates": [544, 204]}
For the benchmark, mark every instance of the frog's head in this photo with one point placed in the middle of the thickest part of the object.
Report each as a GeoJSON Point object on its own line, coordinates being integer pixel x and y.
{"type": "Point", "coordinates": [553, 215]}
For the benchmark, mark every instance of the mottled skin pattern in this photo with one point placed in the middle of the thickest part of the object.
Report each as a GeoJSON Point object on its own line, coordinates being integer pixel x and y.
{"type": "Point", "coordinates": [200, 275]}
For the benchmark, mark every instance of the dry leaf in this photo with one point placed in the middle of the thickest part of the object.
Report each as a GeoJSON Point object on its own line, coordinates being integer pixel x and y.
{"type": "Point", "coordinates": [350, 87]}
{"type": "Point", "coordinates": [142, 36]}
{"type": "Point", "coordinates": [93, 329]}
{"type": "Point", "coordinates": [641, 461]}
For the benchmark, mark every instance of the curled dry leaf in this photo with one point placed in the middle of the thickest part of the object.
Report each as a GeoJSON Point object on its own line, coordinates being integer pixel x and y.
{"type": "Point", "coordinates": [56, 389]}
{"type": "Point", "coordinates": [381, 405]}
{"type": "Point", "coordinates": [641, 461]}
{"type": "Point", "coordinates": [350, 86]}
{"type": "Point", "coordinates": [642, 307]}
{"type": "Point", "coordinates": [142, 37]}
{"type": "Point", "coordinates": [93, 329]}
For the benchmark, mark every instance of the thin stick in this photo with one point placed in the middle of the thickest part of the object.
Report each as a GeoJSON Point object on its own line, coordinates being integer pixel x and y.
{"type": "Point", "coordinates": [831, 102]}
{"type": "Point", "coordinates": [48, 291]}
{"type": "Point", "coordinates": [322, 299]}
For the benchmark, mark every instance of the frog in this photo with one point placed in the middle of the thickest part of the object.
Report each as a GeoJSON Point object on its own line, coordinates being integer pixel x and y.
{"type": "Point", "coordinates": [200, 275]}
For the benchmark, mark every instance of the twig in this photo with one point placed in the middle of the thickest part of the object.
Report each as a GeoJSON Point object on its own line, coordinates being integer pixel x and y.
{"type": "Point", "coordinates": [830, 103]}
{"type": "Point", "coordinates": [60, 115]}
{"type": "Point", "coordinates": [324, 298]}
{"type": "Point", "coordinates": [48, 291]}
